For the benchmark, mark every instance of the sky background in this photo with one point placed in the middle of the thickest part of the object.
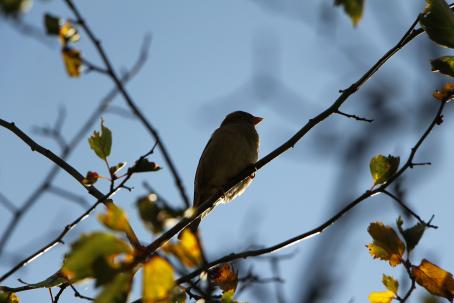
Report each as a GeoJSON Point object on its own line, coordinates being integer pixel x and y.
{"type": "Point", "coordinates": [281, 60]}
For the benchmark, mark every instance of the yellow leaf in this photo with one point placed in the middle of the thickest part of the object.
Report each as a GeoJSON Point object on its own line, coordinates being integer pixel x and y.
{"type": "Point", "coordinates": [386, 245]}
{"type": "Point", "coordinates": [187, 250]}
{"type": "Point", "coordinates": [225, 277]}
{"type": "Point", "coordinates": [72, 60]}
{"type": "Point", "coordinates": [434, 279]}
{"type": "Point", "coordinates": [68, 33]}
{"type": "Point", "coordinates": [158, 281]}
{"type": "Point", "coordinates": [115, 218]}
{"type": "Point", "coordinates": [381, 296]}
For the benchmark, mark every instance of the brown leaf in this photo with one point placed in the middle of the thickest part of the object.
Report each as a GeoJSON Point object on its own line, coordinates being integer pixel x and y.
{"type": "Point", "coordinates": [434, 279]}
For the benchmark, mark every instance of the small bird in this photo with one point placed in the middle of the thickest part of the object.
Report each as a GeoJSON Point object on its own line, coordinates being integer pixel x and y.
{"type": "Point", "coordinates": [232, 148]}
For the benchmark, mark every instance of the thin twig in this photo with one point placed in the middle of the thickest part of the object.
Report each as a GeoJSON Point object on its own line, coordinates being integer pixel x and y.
{"type": "Point", "coordinates": [132, 105]}
{"type": "Point", "coordinates": [79, 295]}
{"type": "Point", "coordinates": [7, 203]}
{"type": "Point", "coordinates": [404, 206]}
{"type": "Point", "coordinates": [79, 136]}
{"type": "Point", "coordinates": [61, 192]}
{"type": "Point", "coordinates": [326, 224]}
{"type": "Point", "coordinates": [151, 248]}
{"type": "Point", "coordinates": [353, 116]}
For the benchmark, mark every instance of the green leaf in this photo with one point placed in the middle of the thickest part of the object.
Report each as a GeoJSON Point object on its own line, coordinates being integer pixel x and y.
{"type": "Point", "coordinates": [383, 168]}
{"type": "Point", "coordinates": [411, 235]}
{"type": "Point", "coordinates": [118, 290]}
{"type": "Point", "coordinates": [8, 297]}
{"type": "Point", "coordinates": [101, 142]}
{"type": "Point", "coordinates": [438, 22]}
{"type": "Point", "coordinates": [444, 65]}
{"type": "Point", "coordinates": [227, 297]}
{"type": "Point", "coordinates": [390, 283]}
{"type": "Point", "coordinates": [143, 165]}
{"type": "Point", "coordinates": [353, 8]}
{"type": "Point", "coordinates": [386, 245]}
{"type": "Point", "coordinates": [52, 24]}
{"type": "Point", "coordinates": [86, 252]}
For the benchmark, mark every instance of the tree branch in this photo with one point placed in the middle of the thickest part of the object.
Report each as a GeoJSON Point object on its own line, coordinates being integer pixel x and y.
{"type": "Point", "coordinates": [326, 224]}
{"type": "Point", "coordinates": [408, 36]}
{"type": "Point", "coordinates": [134, 108]}
{"type": "Point", "coordinates": [80, 135]}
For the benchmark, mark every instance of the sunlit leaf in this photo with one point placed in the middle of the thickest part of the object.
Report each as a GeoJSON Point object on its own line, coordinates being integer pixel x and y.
{"type": "Point", "coordinates": [382, 168]}
{"type": "Point", "coordinates": [225, 277]}
{"type": "Point", "coordinates": [381, 296]}
{"type": "Point", "coordinates": [88, 250]}
{"type": "Point", "coordinates": [438, 22]}
{"type": "Point", "coordinates": [411, 235]}
{"type": "Point", "coordinates": [390, 283]}
{"type": "Point", "coordinates": [68, 33]}
{"type": "Point", "coordinates": [187, 250]}
{"type": "Point", "coordinates": [353, 8]}
{"type": "Point", "coordinates": [227, 296]}
{"type": "Point", "coordinates": [52, 24]}
{"type": "Point", "coordinates": [115, 218]}
{"type": "Point", "coordinates": [386, 245]}
{"type": "Point", "coordinates": [116, 168]}
{"type": "Point", "coordinates": [101, 142]}
{"type": "Point", "coordinates": [444, 65]}
{"type": "Point", "coordinates": [90, 178]}
{"type": "Point", "coordinates": [8, 297]}
{"type": "Point", "coordinates": [158, 281]}
{"type": "Point", "coordinates": [434, 279]}
{"type": "Point", "coordinates": [143, 165]}
{"type": "Point", "coordinates": [72, 60]}
{"type": "Point", "coordinates": [116, 291]}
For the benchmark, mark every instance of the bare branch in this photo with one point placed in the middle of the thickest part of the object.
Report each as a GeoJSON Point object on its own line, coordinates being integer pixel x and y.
{"type": "Point", "coordinates": [404, 206]}
{"type": "Point", "coordinates": [151, 248]}
{"type": "Point", "coordinates": [326, 224]}
{"type": "Point", "coordinates": [134, 108]}
{"type": "Point", "coordinates": [353, 116]}
{"type": "Point", "coordinates": [80, 135]}
{"type": "Point", "coordinates": [7, 203]}
{"type": "Point", "coordinates": [61, 192]}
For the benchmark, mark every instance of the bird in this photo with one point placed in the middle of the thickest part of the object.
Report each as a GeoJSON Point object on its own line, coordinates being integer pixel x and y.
{"type": "Point", "coordinates": [233, 147]}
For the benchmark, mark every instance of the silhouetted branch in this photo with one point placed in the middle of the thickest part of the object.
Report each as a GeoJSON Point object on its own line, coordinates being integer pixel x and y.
{"type": "Point", "coordinates": [326, 224]}
{"type": "Point", "coordinates": [7, 203]}
{"type": "Point", "coordinates": [151, 248]}
{"type": "Point", "coordinates": [404, 206]}
{"type": "Point", "coordinates": [353, 116]}
{"type": "Point", "coordinates": [134, 108]}
{"type": "Point", "coordinates": [61, 192]}
{"type": "Point", "coordinates": [55, 131]}
{"type": "Point", "coordinates": [79, 136]}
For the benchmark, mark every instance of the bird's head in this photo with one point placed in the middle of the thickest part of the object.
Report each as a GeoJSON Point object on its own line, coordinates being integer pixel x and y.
{"type": "Point", "coordinates": [241, 117]}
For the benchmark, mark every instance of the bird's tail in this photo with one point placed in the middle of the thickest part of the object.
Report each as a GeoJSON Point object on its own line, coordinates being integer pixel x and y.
{"type": "Point", "coordinates": [193, 227]}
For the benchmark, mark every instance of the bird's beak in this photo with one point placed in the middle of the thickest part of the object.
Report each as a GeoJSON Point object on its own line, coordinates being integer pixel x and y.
{"type": "Point", "coordinates": [256, 120]}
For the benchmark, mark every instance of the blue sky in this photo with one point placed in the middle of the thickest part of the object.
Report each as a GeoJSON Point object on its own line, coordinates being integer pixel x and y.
{"type": "Point", "coordinates": [203, 63]}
